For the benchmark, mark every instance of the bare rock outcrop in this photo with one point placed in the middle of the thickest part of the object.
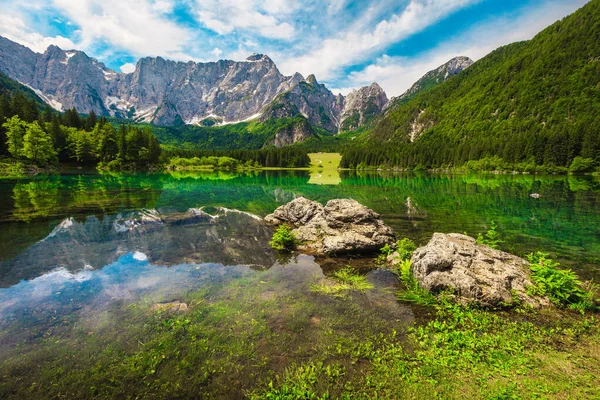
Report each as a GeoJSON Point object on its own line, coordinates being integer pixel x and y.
{"type": "Point", "coordinates": [341, 226]}
{"type": "Point", "coordinates": [475, 273]}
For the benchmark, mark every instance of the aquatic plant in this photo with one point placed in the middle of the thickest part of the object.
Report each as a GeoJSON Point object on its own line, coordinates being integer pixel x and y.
{"type": "Point", "coordinates": [405, 248]}
{"type": "Point", "coordinates": [413, 292]}
{"type": "Point", "coordinates": [463, 352]}
{"type": "Point", "coordinates": [283, 239]}
{"type": "Point", "coordinates": [562, 286]}
{"type": "Point", "coordinates": [344, 280]}
{"type": "Point", "coordinates": [491, 237]}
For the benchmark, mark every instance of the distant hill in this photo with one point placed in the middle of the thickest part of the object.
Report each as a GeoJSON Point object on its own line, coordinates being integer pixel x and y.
{"type": "Point", "coordinates": [529, 102]}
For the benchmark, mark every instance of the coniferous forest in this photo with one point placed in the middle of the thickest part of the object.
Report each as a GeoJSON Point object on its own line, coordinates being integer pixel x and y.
{"type": "Point", "coordinates": [530, 106]}
{"type": "Point", "coordinates": [43, 139]}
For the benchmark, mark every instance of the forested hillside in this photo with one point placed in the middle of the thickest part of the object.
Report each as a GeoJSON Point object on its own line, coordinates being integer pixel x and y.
{"type": "Point", "coordinates": [523, 106]}
{"type": "Point", "coordinates": [30, 138]}
{"type": "Point", "coordinates": [9, 87]}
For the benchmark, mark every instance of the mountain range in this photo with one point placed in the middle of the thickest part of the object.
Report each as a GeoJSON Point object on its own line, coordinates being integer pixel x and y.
{"type": "Point", "coordinates": [169, 93]}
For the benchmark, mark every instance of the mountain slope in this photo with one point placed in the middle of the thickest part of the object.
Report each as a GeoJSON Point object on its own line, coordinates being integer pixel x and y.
{"type": "Point", "coordinates": [528, 102]}
{"type": "Point", "coordinates": [10, 87]}
{"type": "Point", "coordinates": [431, 79]}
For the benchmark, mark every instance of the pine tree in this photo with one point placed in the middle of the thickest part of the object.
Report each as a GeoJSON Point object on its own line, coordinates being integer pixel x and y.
{"type": "Point", "coordinates": [47, 114]}
{"type": "Point", "coordinates": [90, 121]}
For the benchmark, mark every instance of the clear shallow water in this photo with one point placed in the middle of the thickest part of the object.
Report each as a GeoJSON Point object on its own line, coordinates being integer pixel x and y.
{"type": "Point", "coordinates": [564, 221]}
{"type": "Point", "coordinates": [78, 251]}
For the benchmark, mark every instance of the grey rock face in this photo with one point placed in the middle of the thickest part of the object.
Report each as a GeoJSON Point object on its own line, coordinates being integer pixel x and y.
{"type": "Point", "coordinates": [433, 78]}
{"type": "Point", "coordinates": [294, 133]}
{"type": "Point", "coordinates": [476, 273]}
{"type": "Point", "coordinates": [341, 226]}
{"type": "Point", "coordinates": [166, 92]}
{"type": "Point", "coordinates": [315, 102]}
{"type": "Point", "coordinates": [362, 106]}
{"type": "Point", "coordinates": [158, 91]}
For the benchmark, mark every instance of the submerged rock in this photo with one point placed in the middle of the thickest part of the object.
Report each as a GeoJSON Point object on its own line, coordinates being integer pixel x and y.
{"type": "Point", "coordinates": [474, 272]}
{"type": "Point", "coordinates": [170, 307]}
{"type": "Point", "coordinates": [341, 226]}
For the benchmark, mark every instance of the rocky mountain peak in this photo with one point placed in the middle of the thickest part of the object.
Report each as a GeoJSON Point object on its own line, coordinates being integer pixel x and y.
{"type": "Point", "coordinates": [456, 65]}
{"type": "Point", "coordinates": [166, 92]}
{"type": "Point", "coordinates": [260, 58]}
{"type": "Point", "coordinates": [312, 79]}
{"type": "Point", "coordinates": [433, 78]}
{"type": "Point", "coordinates": [362, 106]}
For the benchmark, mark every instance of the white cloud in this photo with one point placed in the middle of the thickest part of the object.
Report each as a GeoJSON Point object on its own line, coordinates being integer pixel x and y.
{"type": "Point", "coordinates": [355, 45]}
{"type": "Point", "coordinates": [163, 6]}
{"type": "Point", "coordinates": [396, 74]}
{"type": "Point", "coordinates": [128, 68]}
{"type": "Point", "coordinates": [136, 26]}
{"type": "Point", "coordinates": [217, 52]}
{"type": "Point", "coordinates": [226, 16]}
{"type": "Point", "coordinates": [14, 28]}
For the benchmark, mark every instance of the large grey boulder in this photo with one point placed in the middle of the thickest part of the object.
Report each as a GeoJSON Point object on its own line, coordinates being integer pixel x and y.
{"type": "Point", "coordinates": [341, 226]}
{"type": "Point", "coordinates": [475, 273]}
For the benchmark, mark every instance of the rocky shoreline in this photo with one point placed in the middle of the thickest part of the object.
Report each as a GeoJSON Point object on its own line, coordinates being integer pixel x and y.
{"type": "Point", "coordinates": [449, 263]}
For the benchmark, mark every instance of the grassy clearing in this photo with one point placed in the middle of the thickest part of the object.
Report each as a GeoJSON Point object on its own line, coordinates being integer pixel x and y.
{"type": "Point", "coordinates": [324, 168]}
{"type": "Point", "coordinates": [325, 160]}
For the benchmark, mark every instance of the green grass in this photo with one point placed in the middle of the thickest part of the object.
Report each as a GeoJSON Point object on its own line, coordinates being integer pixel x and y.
{"type": "Point", "coordinates": [463, 353]}
{"type": "Point", "coordinates": [341, 283]}
{"type": "Point", "coordinates": [325, 160]}
{"type": "Point", "coordinates": [324, 168]}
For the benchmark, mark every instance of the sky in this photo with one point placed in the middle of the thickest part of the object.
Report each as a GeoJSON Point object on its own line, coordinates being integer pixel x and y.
{"type": "Point", "coordinates": [345, 43]}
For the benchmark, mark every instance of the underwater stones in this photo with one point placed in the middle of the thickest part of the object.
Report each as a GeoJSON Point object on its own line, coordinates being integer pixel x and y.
{"type": "Point", "coordinates": [475, 273]}
{"type": "Point", "coordinates": [170, 307]}
{"type": "Point", "coordinates": [341, 226]}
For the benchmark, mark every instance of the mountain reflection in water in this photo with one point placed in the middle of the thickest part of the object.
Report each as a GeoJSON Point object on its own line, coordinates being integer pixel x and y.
{"type": "Point", "coordinates": [227, 237]}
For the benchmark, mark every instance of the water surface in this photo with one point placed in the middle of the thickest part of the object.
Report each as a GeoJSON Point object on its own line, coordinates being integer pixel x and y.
{"type": "Point", "coordinates": [86, 258]}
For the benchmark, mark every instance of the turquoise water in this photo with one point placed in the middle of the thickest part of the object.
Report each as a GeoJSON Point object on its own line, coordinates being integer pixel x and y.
{"type": "Point", "coordinates": [564, 221]}
{"type": "Point", "coordinates": [85, 259]}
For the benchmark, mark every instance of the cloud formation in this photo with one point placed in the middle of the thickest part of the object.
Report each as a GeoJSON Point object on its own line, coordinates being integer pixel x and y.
{"type": "Point", "coordinates": [345, 43]}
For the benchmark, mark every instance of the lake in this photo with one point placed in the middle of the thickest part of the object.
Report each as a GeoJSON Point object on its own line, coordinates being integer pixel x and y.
{"type": "Point", "coordinates": [94, 268]}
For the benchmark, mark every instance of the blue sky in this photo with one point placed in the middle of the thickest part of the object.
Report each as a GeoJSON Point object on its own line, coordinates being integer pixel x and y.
{"type": "Point", "coordinates": [345, 43]}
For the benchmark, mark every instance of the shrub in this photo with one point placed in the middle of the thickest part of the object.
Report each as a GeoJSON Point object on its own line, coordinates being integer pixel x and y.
{"type": "Point", "coordinates": [581, 164]}
{"type": "Point", "coordinates": [283, 239]}
{"type": "Point", "coordinates": [562, 287]}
